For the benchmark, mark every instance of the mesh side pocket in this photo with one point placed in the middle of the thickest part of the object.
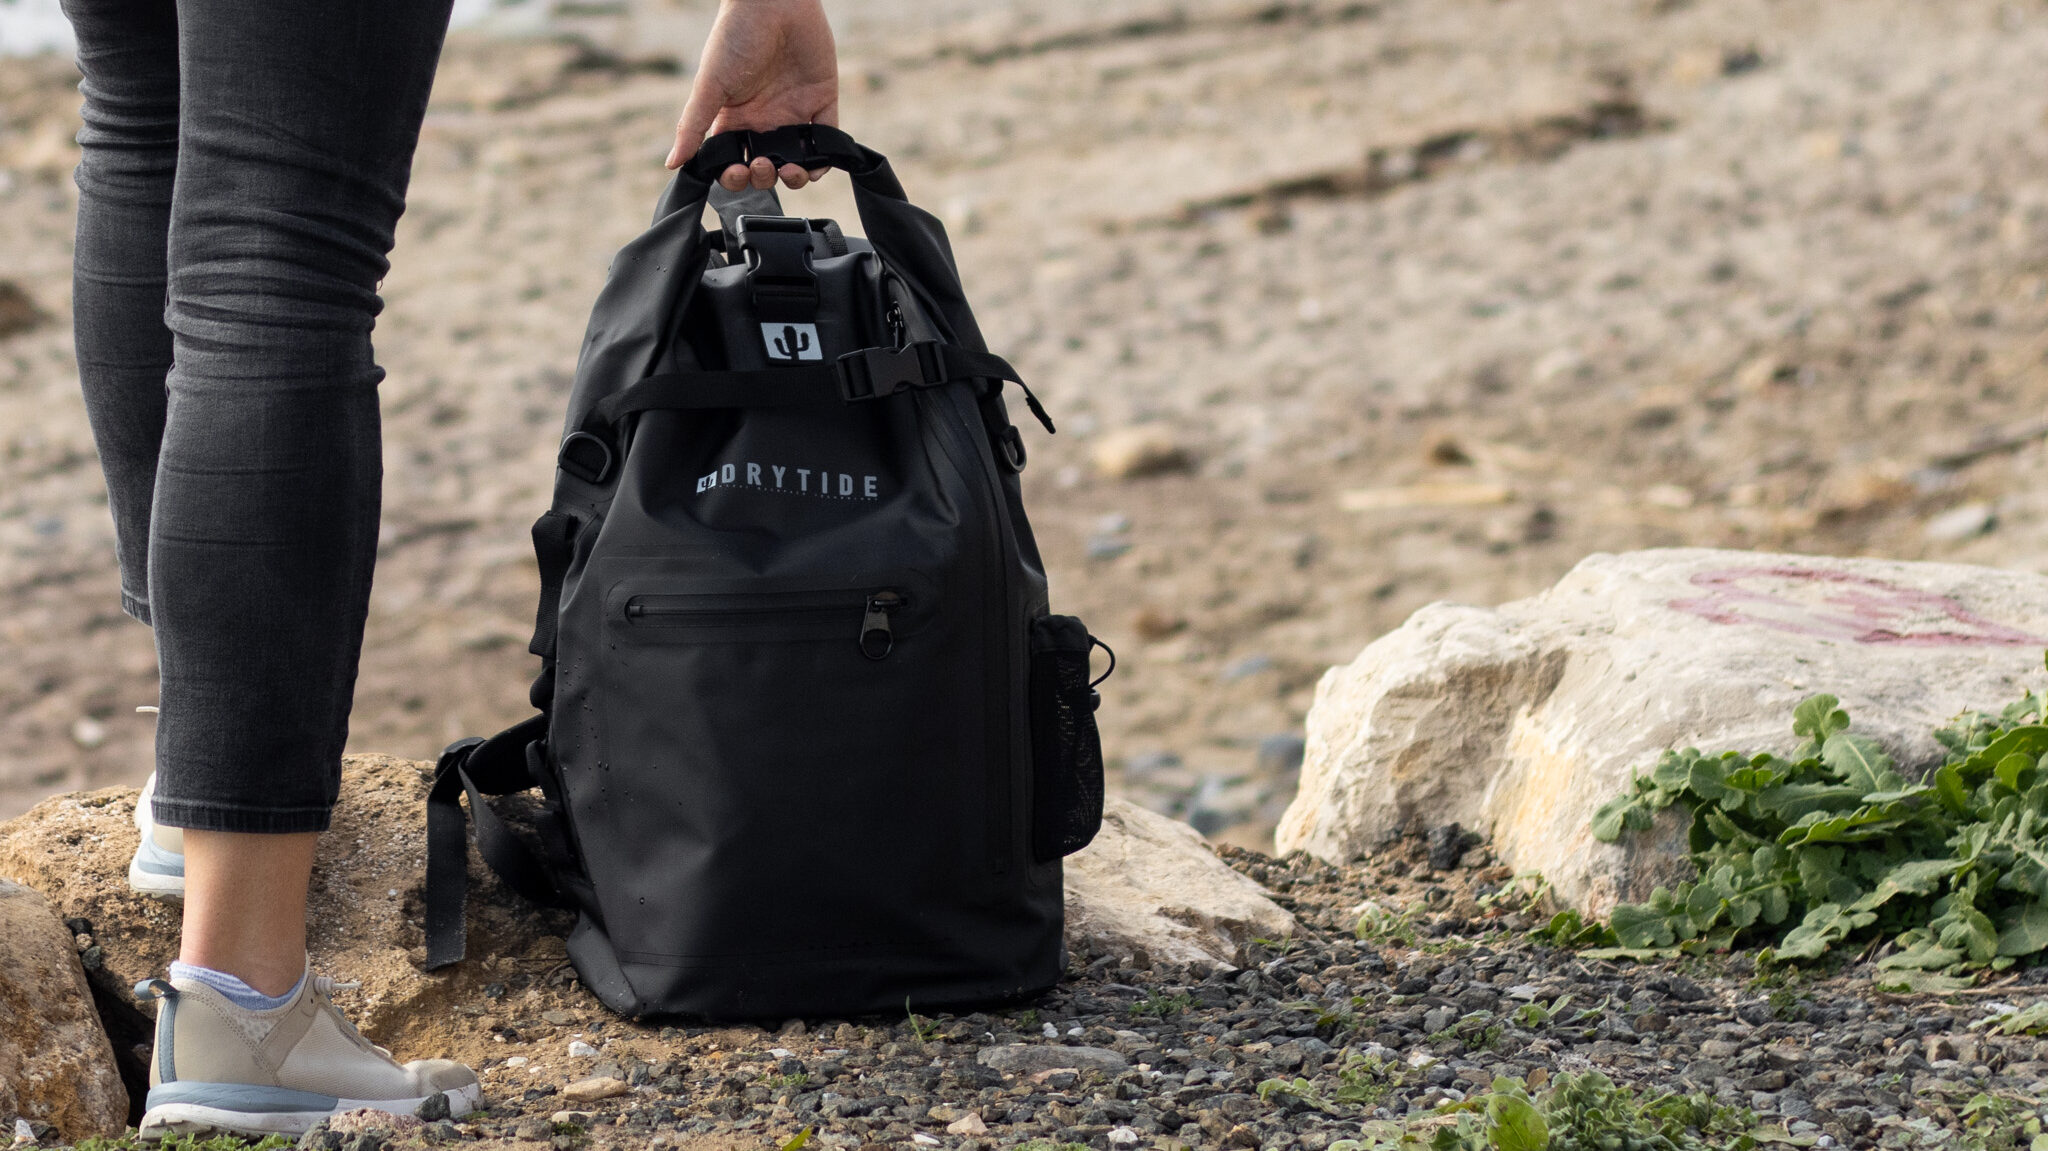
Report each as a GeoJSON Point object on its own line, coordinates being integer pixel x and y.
{"type": "Point", "coordinates": [1066, 751]}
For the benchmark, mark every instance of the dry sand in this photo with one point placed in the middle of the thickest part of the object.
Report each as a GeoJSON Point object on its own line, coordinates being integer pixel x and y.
{"type": "Point", "coordinates": [1574, 275]}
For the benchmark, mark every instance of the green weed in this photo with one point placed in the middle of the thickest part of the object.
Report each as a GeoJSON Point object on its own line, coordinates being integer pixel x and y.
{"type": "Point", "coordinates": [1575, 1112]}
{"type": "Point", "coordinates": [129, 1142]}
{"type": "Point", "coordinates": [1831, 850]}
{"type": "Point", "coordinates": [924, 1029]}
{"type": "Point", "coordinates": [1160, 1005]}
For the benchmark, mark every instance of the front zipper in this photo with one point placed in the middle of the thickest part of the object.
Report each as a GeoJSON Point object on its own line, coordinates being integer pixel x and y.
{"type": "Point", "coordinates": [809, 616]}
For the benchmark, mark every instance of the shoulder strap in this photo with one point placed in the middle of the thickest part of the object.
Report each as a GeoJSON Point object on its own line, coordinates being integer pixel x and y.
{"type": "Point", "coordinates": [479, 767]}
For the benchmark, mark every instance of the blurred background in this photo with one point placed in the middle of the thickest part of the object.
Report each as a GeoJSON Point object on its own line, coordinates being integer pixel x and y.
{"type": "Point", "coordinates": [1343, 307]}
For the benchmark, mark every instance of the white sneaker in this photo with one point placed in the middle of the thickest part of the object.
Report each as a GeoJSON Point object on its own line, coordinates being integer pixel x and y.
{"type": "Point", "coordinates": [158, 868]}
{"type": "Point", "coordinates": [220, 1067]}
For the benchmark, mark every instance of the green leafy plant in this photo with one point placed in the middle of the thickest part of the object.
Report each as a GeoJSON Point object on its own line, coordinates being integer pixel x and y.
{"type": "Point", "coordinates": [1576, 1112]}
{"type": "Point", "coordinates": [1362, 1082]}
{"type": "Point", "coordinates": [1537, 1013]}
{"type": "Point", "coordinates": [1994, 1122]}
{"type": "Point", "coordinates": [1831, 848]}
{"type": "Point", "coordinates": [129, 1142]}
{"type": "Point", "coordinates": [1160, 1005]}
{"type": "Point", "coordinates": [2026, 1021]}
{"type": "Point", "coordinates": [798, 1140]}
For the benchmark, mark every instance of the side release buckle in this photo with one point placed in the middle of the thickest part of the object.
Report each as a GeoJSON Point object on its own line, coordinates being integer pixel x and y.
{"type": "Point", "coordinates": [777, 251]}
{"type": "Point", "coordinates": [872, 373]}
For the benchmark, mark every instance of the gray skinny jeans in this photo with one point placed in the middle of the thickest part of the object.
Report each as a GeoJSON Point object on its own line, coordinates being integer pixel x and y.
{"type": "Point", "coordinates": [244, 164]}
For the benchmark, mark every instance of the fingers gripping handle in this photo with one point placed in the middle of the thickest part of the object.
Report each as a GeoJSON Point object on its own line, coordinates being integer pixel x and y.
{"type": "Point", "coordinates": [808, 146]}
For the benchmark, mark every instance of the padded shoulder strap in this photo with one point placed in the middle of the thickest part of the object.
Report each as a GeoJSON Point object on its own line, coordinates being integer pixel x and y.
{"type": "Point", "coordinates": [478, 767]}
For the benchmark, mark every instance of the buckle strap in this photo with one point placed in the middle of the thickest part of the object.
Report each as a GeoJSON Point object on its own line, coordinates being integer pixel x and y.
{"type": "Point", "coordinates": [475, 767]}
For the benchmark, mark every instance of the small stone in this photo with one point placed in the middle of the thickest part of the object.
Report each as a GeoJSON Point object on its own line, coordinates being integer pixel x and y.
{"type": "Point", "coordinates": [1029, 1059]}
{"type": "Point", "coordinates": [1123, 1136]}
{"type": "Point", "coordinates": [924, 1140]}
{"type": "Point", "coordinates": [969, 1124]}
{"type": "Point", "coordinates": [793, 1029]}
{"type": "Point", "coordinates": [573, 1118]}
{"type": "Point", "coordinates": [1446, 845]}
{"type": "Point", "coordinates": [88, 733]}
{"type": "Point", "coordinates": [1242, 1135]}
{"type": "Point", "coordinates": [433, 1108]}
{"type": "Point", "coordinates": [578, 1049]}
{"type": "Point", "coordinates": [1145, 450]}
{"type": "Point", "coordinates": [1959, 524]}
{"type": "Point", "coordinates": [592, 1090]}
{"type": "Point", "coordinates": [559, 1018]}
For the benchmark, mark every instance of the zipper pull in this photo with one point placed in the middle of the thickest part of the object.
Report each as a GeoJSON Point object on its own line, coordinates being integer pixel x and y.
{"type": "Point", "coordinates": [899, 331]}
{"type": "Point", "coordinates": [876, 640]}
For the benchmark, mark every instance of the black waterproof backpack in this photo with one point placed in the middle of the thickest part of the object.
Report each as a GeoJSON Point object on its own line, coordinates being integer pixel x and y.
{"type": "Point", "coordinates": [809, 742]}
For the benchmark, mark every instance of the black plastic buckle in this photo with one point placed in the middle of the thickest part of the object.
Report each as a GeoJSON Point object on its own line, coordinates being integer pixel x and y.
{"type": "Point", "coordinates": [777, 251]}
{"type": "Point", "coordinates": [875, 372]}
{"type": "Point", "coordinates": [765, 144]}
{"type": "Point", "coordinates": [586, 457]}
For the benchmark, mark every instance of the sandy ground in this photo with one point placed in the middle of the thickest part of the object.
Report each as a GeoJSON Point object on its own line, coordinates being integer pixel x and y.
{"type": "Point", "coordinates": [1568, 275]}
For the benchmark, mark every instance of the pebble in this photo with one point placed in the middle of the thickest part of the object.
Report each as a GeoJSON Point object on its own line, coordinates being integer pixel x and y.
{"type": "Point", "coordinates": [592, 1090]}
{"type": "Point", "coordinates": [1959, 524]}
{"type": "Point", "coordinates": [1031, 1058]}
{"type": "Point", "coordinates": [1144, 450]}
{"type": "Point", "coordinates": [578, 1049]}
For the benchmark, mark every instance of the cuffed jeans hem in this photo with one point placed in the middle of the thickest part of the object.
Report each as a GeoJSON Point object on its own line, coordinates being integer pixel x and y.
{"type": "Point", "coordinates": [199, 816]}
{"type": "Point", "coordinates": [136, 607]}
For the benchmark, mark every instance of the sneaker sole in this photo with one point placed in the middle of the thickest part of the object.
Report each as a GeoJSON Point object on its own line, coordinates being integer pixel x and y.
{"type": "Point", "coordinates": [196, 1119]}
{"type": "Point", "coordinates": [156, 886]}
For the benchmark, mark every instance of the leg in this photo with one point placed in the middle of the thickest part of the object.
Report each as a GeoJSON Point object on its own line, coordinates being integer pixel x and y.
{"type": "Point", "coordinates": [128, 55]}
{"type": "Point", "coordinates": [295, 128]}
{"type": "Point", "coordinates": [298, 122]}
{"type": "Point", "coordinates": [245, 906]}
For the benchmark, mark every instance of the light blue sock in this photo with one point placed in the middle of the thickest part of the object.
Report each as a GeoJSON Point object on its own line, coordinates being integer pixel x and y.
{"type": "Point", "coordinates": [238, 993]}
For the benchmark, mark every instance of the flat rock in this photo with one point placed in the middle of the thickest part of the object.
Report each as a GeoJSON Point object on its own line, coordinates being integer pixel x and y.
{"type": "Point", "coordinates": [1521, 720]}
{"type": "Point", "coordinates": [56, 1065]}
{"type": "Point", "coordinates": [1032, 1058]}
{"type": "Point", "coordinates": [364, 918]}
{"type": "Point", "coordinates": [1148, 883]}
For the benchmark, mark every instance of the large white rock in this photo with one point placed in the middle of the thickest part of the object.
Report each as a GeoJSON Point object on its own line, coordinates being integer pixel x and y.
{"type": "Point", "coordinates": [1521, 720]}
{"type": "Point", "coordinates": [1149, 883]}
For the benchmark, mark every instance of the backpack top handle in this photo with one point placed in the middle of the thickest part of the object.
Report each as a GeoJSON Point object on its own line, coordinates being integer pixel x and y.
{"type": "Point", "coordinates": [808, 146]}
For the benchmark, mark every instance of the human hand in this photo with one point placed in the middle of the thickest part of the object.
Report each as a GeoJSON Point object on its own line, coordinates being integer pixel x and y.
{"type": "Point", "coordinates": [767, 63]}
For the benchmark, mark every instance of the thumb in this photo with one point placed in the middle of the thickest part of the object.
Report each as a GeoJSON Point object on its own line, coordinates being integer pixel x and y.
{"type": "Point", "coordinates": [703, 106]}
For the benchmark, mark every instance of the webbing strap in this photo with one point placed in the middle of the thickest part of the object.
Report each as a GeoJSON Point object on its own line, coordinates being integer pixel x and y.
{"type": "Point", "coordinates": [868, 374]}
{"type": "Point", "coordinates": [477, 767]}
{"type": "Point", "coordinates": [554, 544]}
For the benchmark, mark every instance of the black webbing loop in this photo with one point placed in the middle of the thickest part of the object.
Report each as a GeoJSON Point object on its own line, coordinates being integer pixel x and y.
{"type": "Point", "coordinates": [554, 544]}
{"type": "Point", "coordinates": [476, 767]}
{"type": "Point", "coordinates": [808, 146]}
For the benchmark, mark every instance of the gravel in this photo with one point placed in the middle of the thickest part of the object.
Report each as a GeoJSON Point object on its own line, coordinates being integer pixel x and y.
{"type": "Point", "coordinates": [1445, 993]}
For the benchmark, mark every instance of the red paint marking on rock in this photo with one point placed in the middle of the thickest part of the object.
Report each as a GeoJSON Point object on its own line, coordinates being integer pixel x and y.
{"type": "Point", "coordinates": [1855, 608]}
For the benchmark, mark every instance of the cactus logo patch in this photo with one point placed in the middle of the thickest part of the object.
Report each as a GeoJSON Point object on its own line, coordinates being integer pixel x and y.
{"type": "Point", "coordinates": [792, 341]}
